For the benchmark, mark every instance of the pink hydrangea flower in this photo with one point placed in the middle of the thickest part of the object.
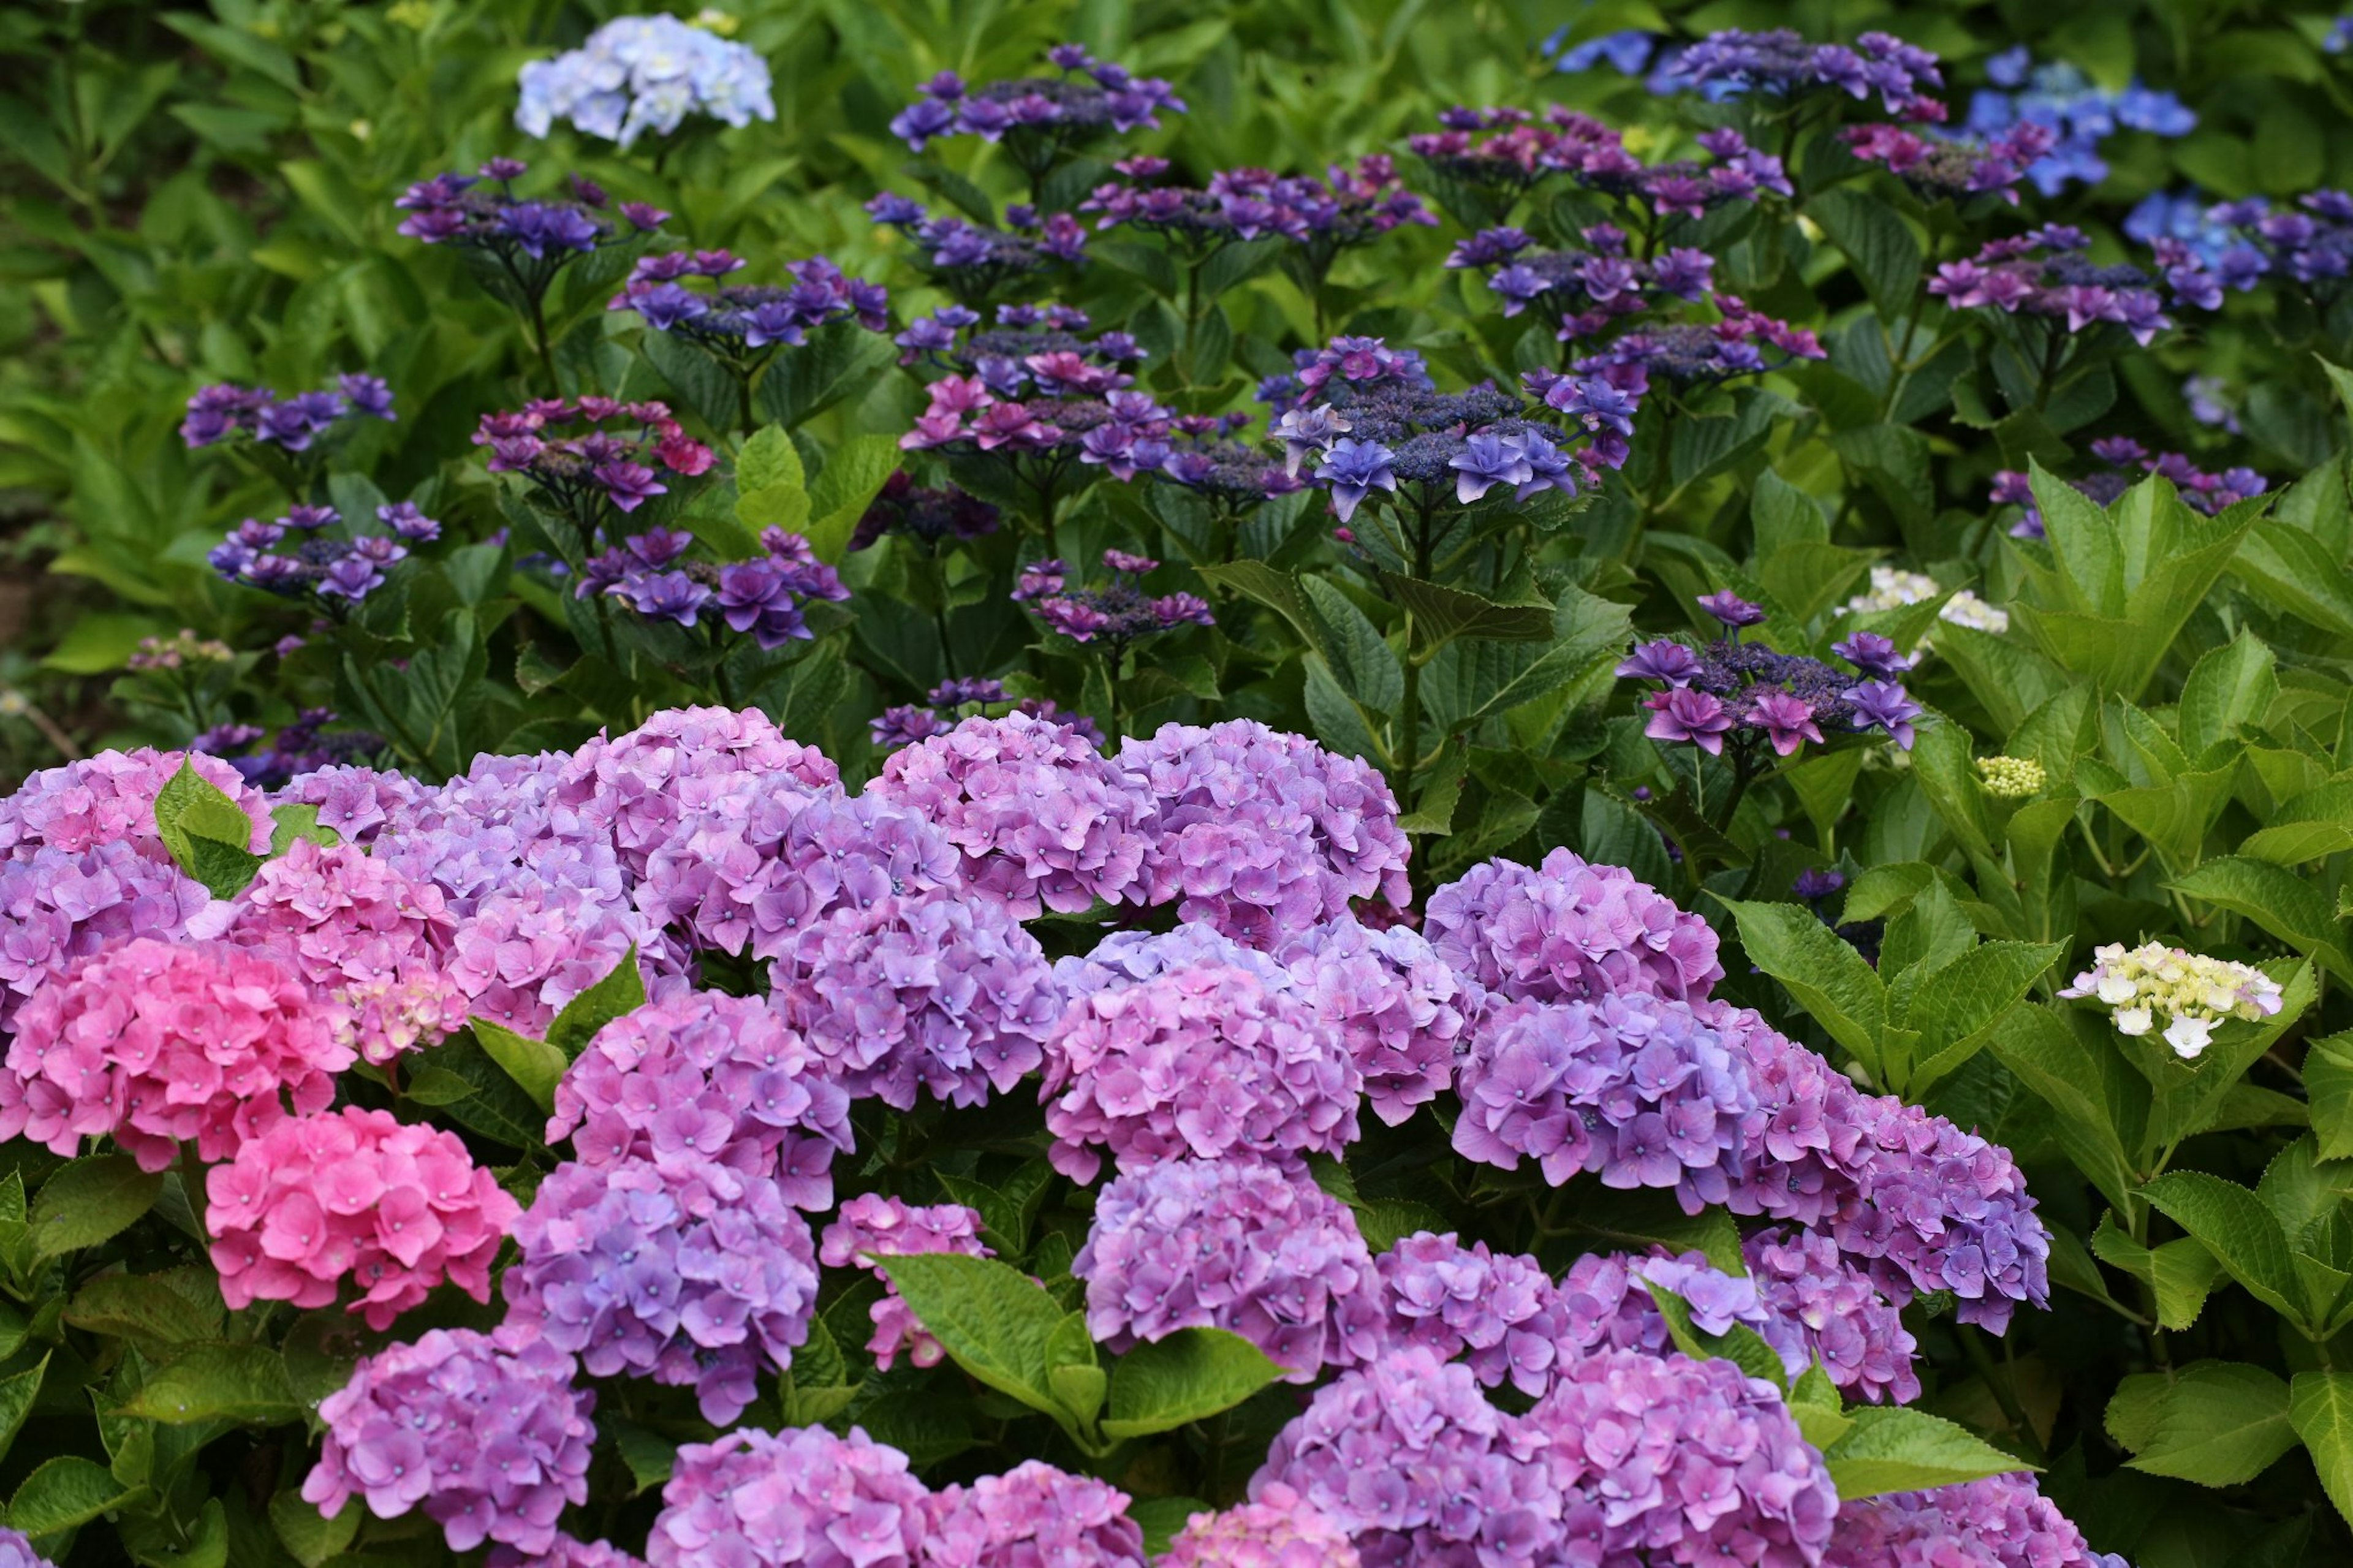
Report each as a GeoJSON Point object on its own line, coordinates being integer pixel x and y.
{"type": "Point", "coordinates": [1569, 931]}
{"type": "Point", "coordinates": [799, 1499]}
{"type": "Point", "coordinates": [110, 799]}
{"type": "Point", "coordinates": [1031, 1516]}
{"type": "Point", "coordinates": [353, 1195]}
{"type": "Point", "coordinates": [870, 1226]}
{"type": "Point", "coordinates": [1277, 1531]}
{"type": "Point", "coordinates": [159, 1043]}
{"type": "Point", "coordinates": [58, 906]}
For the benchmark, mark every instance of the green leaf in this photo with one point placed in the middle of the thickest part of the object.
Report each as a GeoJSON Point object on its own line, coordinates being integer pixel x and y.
{"type": "Point", "coordinates": [1163, 1519]}
{"type": "Point", "coordinates": [2181, 1273]}
{"type": "Point", "coordinates": [148, 1309]}
{"type": "Point", "coordinates": [2329, 1085]}
{"type": "Point", "coordinates": [2233, 1224]}
{"type": "Point", "coordinates": [218, 1382]}
{"type": "Point", "coordinates": [90, 1201]}
{"type": "Point", "coordinates": [2216, 1423]}
{"type": "Point", "coordinates": [2320, 1408]}
{"type": "Point", "coordinates": [190, 806]}
{"type": "Point", "coordinates": [1191, 1375]}
{"type": "Point", "coordinates": [769, 457]}
{"type": "Point", "coordinates": [17, 1396]}
{"type": "Point", "coordinates": [853, 475]}
{"type": "Point", "coordinates": [1896, 1448]}
{"type": "Point", "coordinates": [1956, 1007]}
{"type": "Point", "coordinates": [2285, 904]}
{"type": "Point", "coordinates": [1385, 1221]}
{"type": "Point", "coordinates": [310, 1537]}
{"type": "Point", "coordinates": [534, 1065]}
{"type": "Point", "coordinates": [1825, 977]}
{"type": "Point", "coordinates": [497, 1108]}
{"type": "Point", "coordinates": [622, 990]}
{"type": "Point", "coordinates": [650, 1457]}
{"type": "Point", "coordinates": [224, 870]}
{"type": "Point", "coordinates": [1820, 1414]}
{"type": "Point", "coordinates": [1741, 1345]}
{"type": "Point", "coordinates": [293, 822]}
{"type": "Point", "coordinates": [64, 1494]}
{"type": "Point", "coordinates": [1364, 664]}
{"type": "Point", "coordinates": [1878, 245]}
{"type": "Point", "coordinates": [2231, 688]}
{"type": "Point", "coordinates": [1441, 614]}
{"type": "Point", "coordinates": [997, 1323]}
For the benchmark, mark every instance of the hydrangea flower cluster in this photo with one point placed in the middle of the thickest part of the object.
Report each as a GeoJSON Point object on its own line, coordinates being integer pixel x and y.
{"type": "Point", "coordinates": [762, 597]}
{"type": "Point", "coordinates": [799, 1498]}
{"type": "Point", "coordinates": [2056, 94]}
{"type": "Point", "coordinates": [967, 697]}
{"type": "Point", "coordinates": [2001, 1521]}
{"type": "Point", "coordinates": [2191, 992]}
{"type": "Point", "coordinates": [1667, 1460]}
{"type": "Point", "coordinates": [706, 1078]}
{"type": "Point", "coordinates": [1891, 588]}
{"type": "Point", "coordinates": [599, 471]}
{"type": "Point", "coordinates": [159, 1043]}
{"type": "Point", "coordinates": [1820, 1308]}
{"type": "Point", "coordinates": [870, 1226]}
{"type": "Point", "coordinates": [1204, 1062]}
{"type": "Point", "coordinates": [524, 242]}
{"type": "Point", "coordinates": [1408, 1458]}
{"type": "Point", "coordinates": [1032, 1514]}
{"type": "Point", "coordinates": [741, 324]}
{"type": "Point", "coordinates": [1568, 930]}
{"type": "Point", "coordinates": [1277, 1531]}
{"type": "Point", "coordinates": [763, 874]}
{"type": "Point", "coordinates": [1602, 277]}
{"type": "Point", "coordinates": [58, 907]}
{"type": "Point", "coordinates": [1323, 216]}
{"type": "Point", "coordinates": [928, 515]}
{"type": "Point", "coordinates": [110, 799]}
{"type": "Point", "coordinates": [306, 553]}
{"type": "Point", "coordinates": [1641, 1090]}
{"type": "Point", "coordinates": [1040, 121]}
{"type": "Point", "coordinates": [1399, 1007]}
{"type": "Point", "coordinates": [1509, 151]}
{"type": "Point", "coordinates": [353, 1195]}
{"type": "Point", "coordinates": [1042, 820]}
{"type": "Point", "coordinates": [1748, 695]}
{"type": "Point", "coordinates": [1261, 833]}
{"type": "Point", "coordinates": [1952, 168]}
{"type": "Point", "coordinates": [1030, 346]}
{"type": "Point", "coordinates": [1780, 63]}
{"type": "Point", "coordinates": [1238, 1244]}
{"type": "Point", "coordinates": [184, 650]}
{"type": "Point", "coordinates": [1041, 436]}
{"type": "Point", "coordinates": [2010, 778]}
{"type": "Point", "coordinates": [1499, 1313]}
{"type": "Point", "coordinates": [1116, 616]}
{"type": "Point", "coordinates": [484, 1432]}
{"type": "Point", "coordinates": [2047, 274]}
{"type": "Point", "coordinates": [973, 260]}
{"type": "Point", "coordinates": [692, 1274]}
{"type": "Point", "coordinates": [227, 412]}
{"type": "Point", "coordinates": [1688, 353]}
{"type": "Point", "coordinates": [637, 74]}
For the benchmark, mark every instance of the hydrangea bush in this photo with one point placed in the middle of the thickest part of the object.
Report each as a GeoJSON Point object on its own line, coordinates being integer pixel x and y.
{"type": "Point", "coordinates": [898, 784]}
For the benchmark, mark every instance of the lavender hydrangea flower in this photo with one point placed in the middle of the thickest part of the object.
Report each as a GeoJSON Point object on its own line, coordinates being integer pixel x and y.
{"type": "Point", "coordinates": [1261, 833]}
{"type": "Point", "coordinates": [1032, 1515]}
{"type": "Point", "coordinates": [1398, 1006]}
{"type": "Point", "coordinates": [1203, 1062]}
{"type": "Point", "coordinates": [799, 1498]}
{"type": "Point", "coordinates": [1238, 1244]}
{"type": "Point", "coordinates": [484, 1432]}
{"type": "Point", "coordinates": [1276, 1531]}
{"type": "Point", "coordinates": [1043, 821]}
{"type": "Point", "coordinates": [1570, 931]}
{"type": "Point", "coordinates": [58, 906]}
{"type": "Point", "coordinates": [975, 261]}
{"type": "Point", "coordinates": [696, 1275]}
{"type": "Point", "coordinates": [1641, 1091]}
{"type": "Point", "coordinates": [2001, 1522]}
{"type": "Point", "coordinates": [1040, 121]}
{"type": "Point", "coordinates": [704, 1076]}
{"type": "Point", "coordinates": [637, 74]}
{"type": "Point", "coordinates": [1498, 1312]}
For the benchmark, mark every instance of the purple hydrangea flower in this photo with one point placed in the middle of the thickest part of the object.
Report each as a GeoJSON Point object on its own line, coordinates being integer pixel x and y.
{"type": "Point", "coordinates": [58, 906]}
{"type": "Point", "coordinates": [1397, 1004]}
{"type": "Point", "coordinates": [799, 1498]}
{"type": "Point", "coordinates": [692, 1274]}
{"type": "Point", "coordinates": [1032, 1515]}
{"type": "Point", "coordinates": [1570, 931]}
{"type": "Point", "coordinates": [2001, 1521]}
{"type": "Point", "coordinates": [1499, 1310]}
{"type": "Point", "coordinates": [484, 1432]}
{"type": "Point", "coordinates": [1277, 1531]}
{"type": "Point", "coordinates": [1238, 1244]}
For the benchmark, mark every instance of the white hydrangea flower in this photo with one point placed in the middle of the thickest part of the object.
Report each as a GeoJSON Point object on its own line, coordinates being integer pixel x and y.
{"type": "Point", "coordinates": [645, 73]}
{"type": "Point", "coordinates": [2191, 992]}
{"type": "Point", "coordinates": [1891, 588]}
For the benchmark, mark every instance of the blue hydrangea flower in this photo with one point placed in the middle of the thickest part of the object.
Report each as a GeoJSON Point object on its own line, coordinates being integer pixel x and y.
{"type": "Point", "coordinates": [637, 74]}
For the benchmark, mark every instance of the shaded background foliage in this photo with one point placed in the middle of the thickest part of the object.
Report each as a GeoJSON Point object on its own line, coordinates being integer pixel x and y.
{"type": "Point", "coordinates": [200, 196]}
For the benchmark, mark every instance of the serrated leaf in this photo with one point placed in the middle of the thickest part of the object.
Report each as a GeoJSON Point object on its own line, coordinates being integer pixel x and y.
{"type": "Point", "coordinates": [622, 990]}
{"type": "Point", "coordinates": [90, 1201]}
{"type": "Point", "coordinates": [1896, 1449]}
{"type": "Point", "coordinates": [217, 1381]}
{"type": "Point", "coordinates": [2232, 1224]}
{"type": "Point", "coordinates": [1825, 977]}
{"type": "Point", "coordinates": [1190, 1375]}
{"type": "Point", "coordinates": [296, 821]}
{"type": "Point", "coordinates": [146, 1309]}
{"type": "Point", "coordinates": [536, 1065]}
{"type": "Point", "coordinates": [1442, 614]}
{"type": "Point", "coordinates": [310, 1537]}
{"type": "Point", "coordinates": [2320, 1408]}
{"type": "Point", "coordinates": [649, 1454]}
{"type": "Point", "coordinates": [17, 1396]}
{"type": "Point", "coordinates": [2216, 1423]}
{"type": "Point", "coordinates": [994, 1321]}
{"type": "Point", "coordinates": [2328, 1087]}
{"type": "Point", "coordinates": [769, 457]}
{"type": "Point", "coordinates": [224, 870]}
{"type": "Point", "coordinates": [1878, 245]}
{"type": "Point", "coordinates": [64, 1494]}
{"type": "Point", "coordinates": [2181, 1273]}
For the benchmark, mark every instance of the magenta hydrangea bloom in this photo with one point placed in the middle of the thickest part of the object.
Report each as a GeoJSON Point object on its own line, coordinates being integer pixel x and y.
{"type": "Point", "coordinates": [162, 1043]}
{"type": "Point", "coordinates": [1408, 1458]}
{"type": "Point", "coordinates": [1569, 931]}
{"type": "Point", "coordinates": [1203, 1062]}
{"type": "Point", "coordinates": [799, 1498]}
{"type": "Point", "coordinates": [110, 799]}
{"type": "Point", "coordinates": [1238, 1244]}
{"type": "Point", "coordinates": [2001, 1521]}
{"type": "Point", "coordinates": [353, 1195]}
{"type": "Point", "coordinates": [694, 1276]}
{"type": "Point", "coordinates": [1042, 820]}
{"type": "Point", "coordinates": [1639, 1090]}
{"type": "Point", "coordinates": [1263, 833]}
{"type": "Point", "coordinates": [1498, 1312]}
{"type": "Point", "coordinates": [705, 1075]}
{"type": "Point", "coordinates": [484, 1432]}
{"type": "Point", "coordinates": [1922, 1205]}
{"type": "Point", "coordinates": [1032, 1515]}
{"type": "Point", "coordinates": [1277, 1531]}
{"type": "Point", "coordinates": [1610, 1306]}
{"type": "Point", "coordinates": [1397, 1004]}
{"type": "Point", "coordinates": [362, 931]}
{"type": "Point", "coordinates": [1664, 1460]}
{"type": "Point", "coordinates": [923, 991]}
{"type": "Point", "coordinates": [870, 1226]}
{"type": "Point", "coordinates": [58, 906]}
{"type": "Point", "coordinates": [643, 787]}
